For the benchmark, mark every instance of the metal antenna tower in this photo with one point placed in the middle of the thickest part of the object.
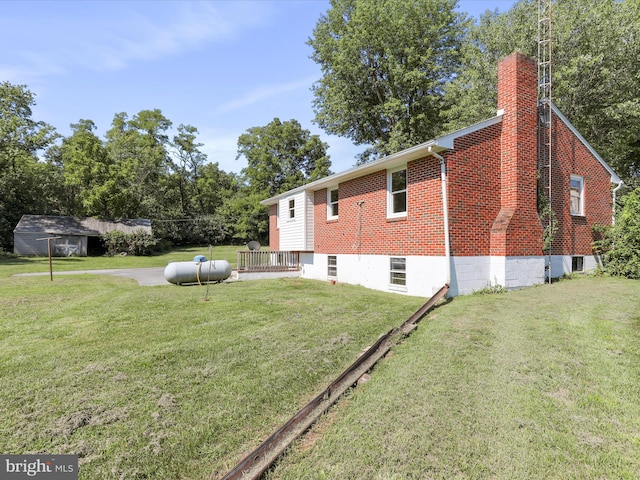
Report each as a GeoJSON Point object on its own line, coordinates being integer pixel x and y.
{"type": "Point", "coordinates": [545, 114]}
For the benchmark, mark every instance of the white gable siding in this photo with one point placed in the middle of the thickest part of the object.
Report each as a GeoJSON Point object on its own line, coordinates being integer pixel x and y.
{"type": "Point", "coordinates": [295, 231]}
{"type": "Point", "coordinates": [308, 236]}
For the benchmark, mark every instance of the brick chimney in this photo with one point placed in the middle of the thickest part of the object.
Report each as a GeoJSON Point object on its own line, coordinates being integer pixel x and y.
{"type": "Point", "coordinates": [517, 229]}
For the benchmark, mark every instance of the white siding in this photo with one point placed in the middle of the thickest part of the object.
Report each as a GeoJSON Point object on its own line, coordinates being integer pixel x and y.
{"type": "Point", "coordinates": [308, 218]}
{"type": "Point", "coordinates": [296, 233]}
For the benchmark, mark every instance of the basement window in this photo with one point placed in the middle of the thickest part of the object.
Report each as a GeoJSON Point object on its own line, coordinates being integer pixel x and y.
{"type": "Point", "coordinates": [397, 193]}
{"type": "Point", "coordinates": [398, 271]}
{"type": "Point", "coordinates": [332, 266]}
{"type": "Point", "coordinates": [577, 264]}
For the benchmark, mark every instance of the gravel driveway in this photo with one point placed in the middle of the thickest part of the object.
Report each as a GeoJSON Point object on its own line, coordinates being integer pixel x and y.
{"type": "Point", "coordinates": [146, 277]}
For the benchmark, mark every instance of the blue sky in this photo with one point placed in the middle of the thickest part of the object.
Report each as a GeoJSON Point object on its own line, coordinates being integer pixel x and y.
{"type": "Point", "coordinates": [222, 66]}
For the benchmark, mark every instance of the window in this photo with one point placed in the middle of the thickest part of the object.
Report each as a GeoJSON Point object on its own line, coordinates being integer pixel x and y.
{"type": "Point", "coordinates": [332, 266]}
{"type": "Point", "coordinates": [577, 264]}
{"type": "Point", "coordinates": [332, 203]}
{"type": "Point", "coordinates": [577, 195]}
{"type": "Point", "coordinates": [397, 198]}
{"type": "Point", "coordinates": [292, 208]}
{"type": "Point", "coordinates": [398, 275]}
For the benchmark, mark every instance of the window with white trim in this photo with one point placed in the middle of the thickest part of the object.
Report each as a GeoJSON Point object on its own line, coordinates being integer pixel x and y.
{"type": "Point", "coordinates": [397, 193]}
{"type": "Point", "coordinates": [292, 208]}
{"type": "Point", "coordinates": [576, 195]}
{"type": "Point", "coordinates": [332, 266]}
{"type": "Point", "coordinates": [398, 271]}
{"type": "Point", "coordinates": [332, 203]}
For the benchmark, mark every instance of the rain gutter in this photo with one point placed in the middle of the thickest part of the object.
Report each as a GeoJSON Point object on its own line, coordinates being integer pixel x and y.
{"type": "Point", "coordinates": [445, 211]}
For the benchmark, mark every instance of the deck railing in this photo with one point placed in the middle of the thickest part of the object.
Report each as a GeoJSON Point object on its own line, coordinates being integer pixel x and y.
{"type": "Point", "coordinates": [267, 261]}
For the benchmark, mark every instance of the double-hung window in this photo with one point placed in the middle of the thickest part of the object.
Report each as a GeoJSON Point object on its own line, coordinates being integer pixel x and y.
{"type": "Point", "coordinates": [292, 208]}
{"type": "Point", "coordinates": [397, 193]}
{"type": "Point", "coordinates": [332, 203]}
{"type": "Point", "coordinates": [576, 195]}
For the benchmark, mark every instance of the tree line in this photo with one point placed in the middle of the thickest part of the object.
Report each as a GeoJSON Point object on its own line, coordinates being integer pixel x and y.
{"type": "Point", "coordinates": [395, 73]}
{"type": "Point", "coordinates": [139, 171]}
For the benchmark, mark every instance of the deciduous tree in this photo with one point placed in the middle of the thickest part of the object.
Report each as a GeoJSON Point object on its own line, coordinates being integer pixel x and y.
{"type": "Point", "coordinates": [620, 245]}
{"type": "Point", "coordinates": [88, 171]}
{"type": "Point", "coordinates": [596, 71]}
{"type": "Point", "coordinates": [384, 68]}
{"type": "Point", "coordinates": [138, 149]}
{"type": "Point", "coordinates": [281, 156]}
{"type": "Point", "coordinates": [21, 140]}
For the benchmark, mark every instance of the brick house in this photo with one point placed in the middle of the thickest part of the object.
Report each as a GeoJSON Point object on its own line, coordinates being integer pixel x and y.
{"type": "Point", "coordinates": [459, 209]}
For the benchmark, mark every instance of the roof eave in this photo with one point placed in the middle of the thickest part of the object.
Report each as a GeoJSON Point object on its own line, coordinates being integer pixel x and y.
{"type": "Point", "coordinates": [425, 149]}
{"type": "Point", "coordinates": [614, 176]}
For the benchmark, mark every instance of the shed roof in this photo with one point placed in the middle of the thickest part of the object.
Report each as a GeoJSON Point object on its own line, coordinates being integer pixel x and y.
{"type": "Point", "coordinates": [78, 225]}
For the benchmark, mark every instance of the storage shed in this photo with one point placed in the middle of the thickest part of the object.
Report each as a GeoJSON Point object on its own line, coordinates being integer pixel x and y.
{"type": "Point", "coordinates": [76, 234]}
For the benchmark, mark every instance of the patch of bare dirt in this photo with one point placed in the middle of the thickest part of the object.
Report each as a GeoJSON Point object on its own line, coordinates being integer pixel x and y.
{"type": "Point", "coordinates": [167, 401]}
{"type": "Point", "coordinates": [67, 425]}
{"type": "Point", "coordinates": [309, 439]}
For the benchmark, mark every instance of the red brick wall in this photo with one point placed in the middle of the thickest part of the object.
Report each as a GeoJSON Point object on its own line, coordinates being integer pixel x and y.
{"type": "Point", "coordinates": [492, 191]}
{"type": "Point", "coordinates": [517, 230]}
{"type": "Point", "coordinates": [473, 171]}
{"type": "Point", "coordinates": [570, 156]}
{"type": "Point", "coordinates": [473, 179]}
{"type": "Point", "coordinates": [274, 232]}
{"type": "Point", "coordinates": [363, 228]}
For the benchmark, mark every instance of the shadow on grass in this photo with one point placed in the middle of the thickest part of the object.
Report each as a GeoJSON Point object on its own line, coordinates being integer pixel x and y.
{"type": "Point", "coordinates": [18, 260]}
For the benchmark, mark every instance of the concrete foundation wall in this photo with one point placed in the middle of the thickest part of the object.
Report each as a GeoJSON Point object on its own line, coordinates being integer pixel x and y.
{"type": "Point", "coordinates": [425, 275]}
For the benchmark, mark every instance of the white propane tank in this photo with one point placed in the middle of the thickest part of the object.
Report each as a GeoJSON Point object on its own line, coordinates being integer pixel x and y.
{"type": "Point", "coordinates": [180, 273]}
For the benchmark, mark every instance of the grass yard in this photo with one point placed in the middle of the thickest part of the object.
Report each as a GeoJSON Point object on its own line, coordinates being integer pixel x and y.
{"type": "Point", "coordinates": [9, 266]}
{"type": "Point", "coordinates": [541, 383]}
{"type": "Point", "coordinates": [156, 383]}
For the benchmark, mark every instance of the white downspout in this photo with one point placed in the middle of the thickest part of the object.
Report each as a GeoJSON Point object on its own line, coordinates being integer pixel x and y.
{"type": "Point", "coordinates": [445, 211]}
{"type": "Point", "coordinates": [613, 203]}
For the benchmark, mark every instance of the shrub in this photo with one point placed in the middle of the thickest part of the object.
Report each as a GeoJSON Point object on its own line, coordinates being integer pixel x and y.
{"type": "Point", "coordinates": [196, 231]}
{"type": "Point", "coordinates": [6, 254]}
{"type": "Point", "coordinates": [619, 245]}
{"type": "Point", "coordinates": [137, 243]}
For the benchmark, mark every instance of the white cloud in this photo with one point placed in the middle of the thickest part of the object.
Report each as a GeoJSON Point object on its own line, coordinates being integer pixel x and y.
{"type": "Point", "coordinates": [103, 36]}
{"type": "Point", "coordinates": [263, 93]}
{"type": "Point", "coordinates": [141, 37]}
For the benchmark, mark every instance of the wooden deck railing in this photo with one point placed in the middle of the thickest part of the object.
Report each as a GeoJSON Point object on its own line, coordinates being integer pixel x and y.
{"type": "Point", "coordinates": [267, 261]}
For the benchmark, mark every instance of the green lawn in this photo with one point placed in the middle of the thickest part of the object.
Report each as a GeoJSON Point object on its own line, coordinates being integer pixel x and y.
{"type": "Point", "coordinates": [156, 383]}
{"type": "Point", "coordinates": [9, 266]}
{"type": "Point", "coordinates": [542, 383]}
